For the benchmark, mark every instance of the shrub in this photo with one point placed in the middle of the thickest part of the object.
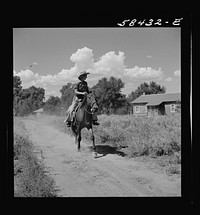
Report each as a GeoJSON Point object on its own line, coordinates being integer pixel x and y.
{"type": "Point", "coordinates": [22, 146]}
{"type": "Point", "coordinates": [173, 169]}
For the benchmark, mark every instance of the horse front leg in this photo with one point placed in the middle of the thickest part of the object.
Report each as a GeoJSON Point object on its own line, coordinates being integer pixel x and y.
{"type": "Point", "coordinates": [94, 152]}
{"type": "Point", "coordinates": [76, 139]}
{"type": "Point", "coordinates": [79, 140]}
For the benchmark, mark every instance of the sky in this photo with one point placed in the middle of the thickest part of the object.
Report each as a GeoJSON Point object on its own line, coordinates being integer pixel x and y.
{"type": "Point", "coordinates": [53, 57]}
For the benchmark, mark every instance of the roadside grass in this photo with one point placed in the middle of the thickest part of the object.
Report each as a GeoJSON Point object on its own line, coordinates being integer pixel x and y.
{"type": "Point", "coordinates": [158, 137]}
{"type": "Point", "coordinates": [31, 178]}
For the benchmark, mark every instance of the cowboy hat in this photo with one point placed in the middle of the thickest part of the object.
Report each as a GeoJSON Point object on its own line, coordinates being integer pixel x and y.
{"type": "Point", "coordinates": [82, 74]}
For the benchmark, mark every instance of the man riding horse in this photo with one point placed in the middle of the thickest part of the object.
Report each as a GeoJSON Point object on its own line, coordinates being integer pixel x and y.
{"type": "Point", "coordinates": [81, 90]}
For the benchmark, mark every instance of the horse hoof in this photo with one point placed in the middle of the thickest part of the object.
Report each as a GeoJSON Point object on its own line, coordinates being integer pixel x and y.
{"type": "Point", "coordinates": [78, 150]}
{"type": "Point", "coordinates": [94, 154]}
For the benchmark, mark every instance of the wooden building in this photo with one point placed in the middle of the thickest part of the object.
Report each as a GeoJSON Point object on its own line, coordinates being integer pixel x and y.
{"type": "Point", "coordinates": [156, 104]}
{"type": "Point", "coordinates": [38, 112]}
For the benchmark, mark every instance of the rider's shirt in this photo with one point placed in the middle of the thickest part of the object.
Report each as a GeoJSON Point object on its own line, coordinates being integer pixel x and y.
{"type": "Point", "coordinates": [81, 87]}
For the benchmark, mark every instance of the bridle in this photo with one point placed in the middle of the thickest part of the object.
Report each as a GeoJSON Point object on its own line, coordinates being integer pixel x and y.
{"type": "Point", "coordinates": [86, 106]}
{"type": "Point", "coordinates": [91, 108]}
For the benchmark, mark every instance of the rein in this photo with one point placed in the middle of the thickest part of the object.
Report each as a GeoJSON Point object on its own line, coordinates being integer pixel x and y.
{"type": "Point", "coordinates": [86, 105]}
{"type": "Point", "coordinates": [87, 110]}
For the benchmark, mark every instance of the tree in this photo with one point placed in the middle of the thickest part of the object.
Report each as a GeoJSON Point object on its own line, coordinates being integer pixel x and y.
{"type": "Point", "coordinates": [146, 88]}
{"type": "Point", "coordinates": [26, 100]}
{"type": "Point", "coordinates": [35, 97]}
{"type": "Point", "coordinates": [67, 94]}
{"type": "Point", "coordinates": [52, 105]}
{"type": "Point", "coordinates": [17, 85]}
{"type": "Point", "coordinates": [108, 95]}
{"type": "Point", "coordinates": [156, 88]}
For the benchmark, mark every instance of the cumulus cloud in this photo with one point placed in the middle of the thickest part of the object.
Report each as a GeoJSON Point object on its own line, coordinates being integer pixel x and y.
{"type": "Point", "coordinates": [177, 73]}
{"type": "Point", "coordinates": [27, 75]}
{"type": "Point", "coordinates": [109, 64]}
{"type": "Point", "coordinates": [83, 59]}
{"type": "Point", "coordinates": [169, 79]}
{"type": "Point", "coordinates": [143, 72]}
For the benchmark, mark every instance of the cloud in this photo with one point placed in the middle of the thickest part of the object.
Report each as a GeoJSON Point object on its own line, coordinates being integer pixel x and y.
{"type": "Point", "coordinates": [143, 72]}
{"type": "Point", "coordinates": [83, 59]}
{"type": "Point", "coordinates": [27, 75]}
{"type": "Point", "coordinates": [35, 63]}
{"type": "Point", "coordinates": [169, 79]}
{"type": "Point", "coordinates": [109, 64]}
{"type": "Point", "coordinates": [149, 56]}
{"type": "Point", "coordinates": [177, 73]}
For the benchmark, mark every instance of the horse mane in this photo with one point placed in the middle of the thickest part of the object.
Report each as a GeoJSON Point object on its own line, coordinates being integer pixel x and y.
{"type": "Point", "coordinates": [91, 98]}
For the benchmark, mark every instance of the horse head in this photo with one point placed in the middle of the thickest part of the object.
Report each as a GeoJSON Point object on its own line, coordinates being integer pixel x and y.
{"type": "Point", "coordinates": [92, 103]}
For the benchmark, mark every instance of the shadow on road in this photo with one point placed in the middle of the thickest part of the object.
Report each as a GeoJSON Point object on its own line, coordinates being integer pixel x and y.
{"type": "Point", "coordinates": [106, 149]}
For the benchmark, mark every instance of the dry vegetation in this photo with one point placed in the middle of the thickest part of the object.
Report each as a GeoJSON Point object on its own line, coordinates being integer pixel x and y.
{"type": "Point", "coordinates": [30, 176]}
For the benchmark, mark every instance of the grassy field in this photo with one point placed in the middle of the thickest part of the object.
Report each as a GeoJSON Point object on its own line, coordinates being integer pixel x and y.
{"type": "Point", "coordinates": [30, 176]}
{"type": "Point", "coordinates": [156, 137]}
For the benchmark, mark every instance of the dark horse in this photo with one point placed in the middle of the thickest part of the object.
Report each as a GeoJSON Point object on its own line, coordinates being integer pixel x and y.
{"type": "Point", "coordinates": [83, 119]}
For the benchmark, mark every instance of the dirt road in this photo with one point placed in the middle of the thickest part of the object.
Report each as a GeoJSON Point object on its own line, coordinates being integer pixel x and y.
{"type": "Point", "coordinates": [78, 174]}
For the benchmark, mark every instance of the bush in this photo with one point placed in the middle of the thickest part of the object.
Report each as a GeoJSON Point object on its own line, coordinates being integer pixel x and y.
{"type": "Point", "coordinates": [22, 147]}
{"type": "Point", "coordinates": [173, 169]}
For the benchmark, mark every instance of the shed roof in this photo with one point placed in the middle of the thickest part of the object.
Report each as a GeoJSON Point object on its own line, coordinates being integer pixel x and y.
{"type": "Point", "coordinates": [38, 110]}
{"type": "Point", "coordinates": [156, 99]}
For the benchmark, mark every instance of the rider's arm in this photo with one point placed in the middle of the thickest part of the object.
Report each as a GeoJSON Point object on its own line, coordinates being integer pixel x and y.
{"type": "Point", "coordinates": [78, 92]}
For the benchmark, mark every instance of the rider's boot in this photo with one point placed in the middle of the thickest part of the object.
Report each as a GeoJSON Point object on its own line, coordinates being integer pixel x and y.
{"type": "Point", "coordinates": [68, 123]}
{"type": "Point", "coordinates": [94, 122]}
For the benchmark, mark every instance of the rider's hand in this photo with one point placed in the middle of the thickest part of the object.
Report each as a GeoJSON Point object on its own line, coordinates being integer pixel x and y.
{"type": "Point", "coordinates": [84, 93]}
